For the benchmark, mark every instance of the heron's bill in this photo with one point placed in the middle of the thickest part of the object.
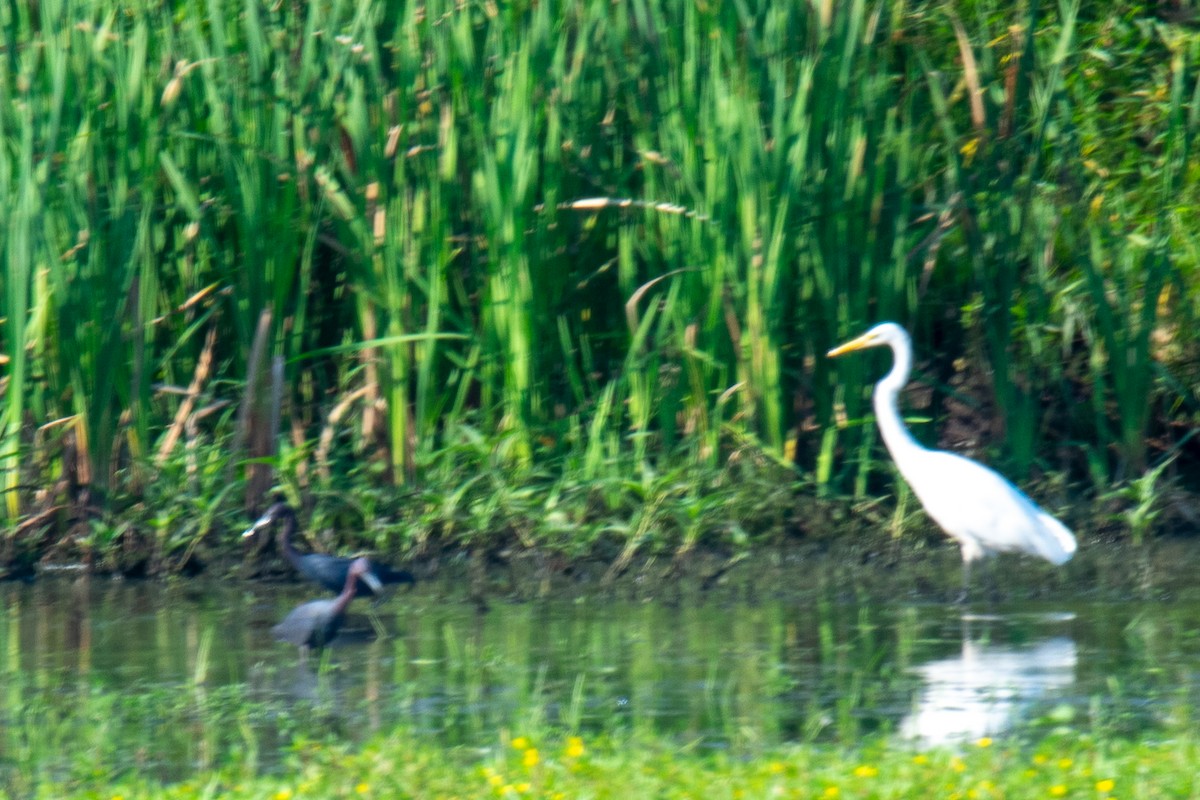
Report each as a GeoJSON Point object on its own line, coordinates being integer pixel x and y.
{"type": "Point", "coordinates": [370, 580]}
{"type": "Point", "coordinates": [262, 522]}
{"type": "Point", "coordinates": [866, 340]}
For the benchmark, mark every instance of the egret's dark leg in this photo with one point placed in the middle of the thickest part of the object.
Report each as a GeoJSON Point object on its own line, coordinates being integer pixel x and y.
{"type": "Point", "coordinates": [966, 583]}
{"type": "Point", "coordinates": [993, 589]}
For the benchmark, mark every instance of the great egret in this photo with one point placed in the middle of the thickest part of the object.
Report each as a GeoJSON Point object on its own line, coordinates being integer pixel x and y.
{"type": "Point", "coordinates": [329, 571]}
{"type": "Point", "coordinates": [973, 504]}
{"type": "Point", "coordinates": [313, 625]}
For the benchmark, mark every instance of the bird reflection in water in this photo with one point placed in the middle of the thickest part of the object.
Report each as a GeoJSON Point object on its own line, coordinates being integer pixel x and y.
{"type": "Point", "coordinates": [984, 691]}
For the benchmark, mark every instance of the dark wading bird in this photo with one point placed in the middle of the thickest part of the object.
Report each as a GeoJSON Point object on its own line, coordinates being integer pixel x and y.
{"type": "Point", "coordinates": [313, 625]}
{"type": "Point", "coordinates": [329, 571]}
{"type": "Point", "coordinates": [973, 504]}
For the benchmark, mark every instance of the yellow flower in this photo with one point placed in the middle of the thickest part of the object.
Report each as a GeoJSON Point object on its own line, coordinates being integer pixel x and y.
{"type": "Point", "coordinates": [283, 794]}
{"type": "Point", "coordinates": [362, 788]}
{"type": "Point", "coordinates": [957, 764]}
{"type": "Point", "coordinates": [968, 150]}
{"type": "Point", "coordinates": [1065, 763]}
{"type": "Point", "coordinates": [522, 788]}
{"type": "Point", "coordinates": [983, 789]}
{"type": "Point", "coordinates": [920, 758]}
{"type": "Point", "coordinates": [531, 757]}
{"type": "Point", "coordinates": [574, 747]}
{"type": "Point", "coordinates": [1040, 759]}
{"type": "Point", "coordinates": [831, 791]}
{"type": "Point", "coordinates": [986, 741]}
{"type": "Point", "coordinates": [1058, 790]}
{"type": "Point", "coordinates": [520, 743]}
{"type": "Point", "coordinates": [866, 771]}
{"type": "Point", "coordinates": [1105, 785]}
{"type": "Point", "coordinates": [495, 780]}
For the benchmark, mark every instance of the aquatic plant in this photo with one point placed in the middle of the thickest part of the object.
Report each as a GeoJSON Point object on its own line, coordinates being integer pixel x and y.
{"type": "Point", "coordinates": [401, 763]}
{"type": "Point", "coordinates": [559, 235]}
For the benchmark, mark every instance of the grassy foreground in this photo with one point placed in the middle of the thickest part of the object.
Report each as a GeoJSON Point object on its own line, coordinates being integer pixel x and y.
{"type": "Point", "coordinates": [1068, 764]}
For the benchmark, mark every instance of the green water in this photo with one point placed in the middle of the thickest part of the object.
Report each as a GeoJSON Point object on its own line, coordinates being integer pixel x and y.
{"type": "Point", "coordinates": [171, 678]}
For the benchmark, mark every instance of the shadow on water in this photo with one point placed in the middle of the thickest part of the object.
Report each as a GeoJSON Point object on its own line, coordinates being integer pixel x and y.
{"type": "Point", "coordinates": [171, 678]}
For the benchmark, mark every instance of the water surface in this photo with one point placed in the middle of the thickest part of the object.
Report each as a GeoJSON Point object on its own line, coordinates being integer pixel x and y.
{"type": "Point", "coordinates": [179, 673]}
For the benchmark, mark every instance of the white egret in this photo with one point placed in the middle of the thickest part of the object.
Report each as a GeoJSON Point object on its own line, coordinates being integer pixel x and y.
{"type": "Point", "coordinates": [972, 503]}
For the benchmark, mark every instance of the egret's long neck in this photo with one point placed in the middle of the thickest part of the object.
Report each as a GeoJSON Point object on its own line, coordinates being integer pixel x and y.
{"type": "Point", "coordinates": [899, 441]}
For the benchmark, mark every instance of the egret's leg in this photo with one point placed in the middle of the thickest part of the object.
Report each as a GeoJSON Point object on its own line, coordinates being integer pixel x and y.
{"type": "Point", "coordinates": [971, 551]}
{"type": "Point", "coordinates": [993, 588]}
{"type": "Point", "coordinates": [966, 583]}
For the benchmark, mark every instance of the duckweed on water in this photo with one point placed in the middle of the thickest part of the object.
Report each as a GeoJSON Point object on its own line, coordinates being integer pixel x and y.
{"type": "Point", "coordinates": [1073, 764]}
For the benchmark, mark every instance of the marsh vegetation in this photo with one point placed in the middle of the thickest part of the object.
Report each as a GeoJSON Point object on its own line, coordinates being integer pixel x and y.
{"type": "Point", "coordinates": [561, 275]}
{"type": "Point", "coordinates": [482, 286]}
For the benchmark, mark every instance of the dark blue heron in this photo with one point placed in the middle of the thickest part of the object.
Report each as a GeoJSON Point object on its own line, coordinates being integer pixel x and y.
{"type": "Point", "coordinates": [313, 625]}
{"type": "Point", "coordinates": [329, 571]}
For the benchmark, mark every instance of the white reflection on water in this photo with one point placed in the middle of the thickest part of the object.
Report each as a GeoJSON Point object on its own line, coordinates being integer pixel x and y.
{"type": "Point", "coordinates": [984, 691]}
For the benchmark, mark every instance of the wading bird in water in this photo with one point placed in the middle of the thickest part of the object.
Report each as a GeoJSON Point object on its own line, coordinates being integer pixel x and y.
{"type": "Point", "coordinates": [972, 503]}
{"type": "Point", "coordinates": [313, 625]}
{"type": "Point", "coordinates": [329, 571]}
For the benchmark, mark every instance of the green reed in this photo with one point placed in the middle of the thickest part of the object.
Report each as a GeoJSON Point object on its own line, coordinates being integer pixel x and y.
{"type": "Point", "coordinates": [998, 146]}
{"type": "Point", "coordinates": [1129, 265]}
{"type": "Point", "coordinates": [620, 237]}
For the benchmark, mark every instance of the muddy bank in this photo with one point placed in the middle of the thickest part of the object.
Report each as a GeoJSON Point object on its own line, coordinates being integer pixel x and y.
{"type": "Point", "coordinates": [873, 568]}
{"type": "Point", "coordinates": [866, 566]}
{"type": "Point", "coordinates": [840, 556]}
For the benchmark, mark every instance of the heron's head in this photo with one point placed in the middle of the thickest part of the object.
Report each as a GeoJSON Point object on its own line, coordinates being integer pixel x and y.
{"type": "Point", "coordinates": [278, 510]}
{"type": "Point", "coordinates": [361, 568]}
{"type": "Point", "coordinates": [885, 333]}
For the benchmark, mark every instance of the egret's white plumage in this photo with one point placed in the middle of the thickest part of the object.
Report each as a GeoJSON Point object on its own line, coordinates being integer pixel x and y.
{"type": "Point", "coordinates": [972, 503]}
